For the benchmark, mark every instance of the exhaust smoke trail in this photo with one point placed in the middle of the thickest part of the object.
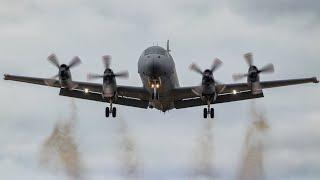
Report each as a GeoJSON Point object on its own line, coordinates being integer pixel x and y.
{"type": "Point", "coordinates": [253, 154]}
{"type": "Point", "coordinates": [131, 164]}
{"type": "Point", "coordinates": [204, 167]}
{"type": "Point", "coordinates": [60, 150]}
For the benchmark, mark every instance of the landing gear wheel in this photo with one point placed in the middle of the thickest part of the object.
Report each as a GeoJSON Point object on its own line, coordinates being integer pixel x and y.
{"type": "Point", "coordinates": [107, 111]}
{"type": "Point", "coordinates": [205, 113]}
{"type": "Point", "coordinates": [114, 112]}
{"type": "Point", "coordinates": [212, 113]}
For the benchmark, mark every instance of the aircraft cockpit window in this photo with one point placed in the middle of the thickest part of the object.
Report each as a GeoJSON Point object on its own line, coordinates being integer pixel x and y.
{"type": "Point", "coordinates": [155, 51]}
{"type": "Point", "coordinates": [161, 52]}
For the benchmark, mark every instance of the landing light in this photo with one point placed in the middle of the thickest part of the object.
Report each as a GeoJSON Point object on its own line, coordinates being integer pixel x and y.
{"type": "Point", "coordinates": [152, 85]}
{"type": "Point", "coordinates": [234, 92]}
{"type": "Point", "coordinates": [86, 90]}
{"type": "Point", "coordinates": [157, 85]}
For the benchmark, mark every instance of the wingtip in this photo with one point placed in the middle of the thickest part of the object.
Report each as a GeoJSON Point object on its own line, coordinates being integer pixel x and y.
{"type": "Point", "coordinates": [5, 76]}
{"type": "Point", "coordinates": [315, 80]}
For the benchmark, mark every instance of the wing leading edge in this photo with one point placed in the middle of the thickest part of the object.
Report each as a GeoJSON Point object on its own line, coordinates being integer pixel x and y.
{"type": "Point", "coordinates": [42, 81]}
{"type": "Point", "coordinates": [269, 84]}
{"type": "Point", "coordinates": [184, 96]}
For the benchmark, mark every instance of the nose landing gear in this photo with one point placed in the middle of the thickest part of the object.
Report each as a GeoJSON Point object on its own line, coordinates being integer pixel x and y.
{"type": "Point", "coordinates": [111, 110]}
{"type": "Point", "coordinates": [155, 94]}
{"type": "Point", "coordinates": [208, 111]}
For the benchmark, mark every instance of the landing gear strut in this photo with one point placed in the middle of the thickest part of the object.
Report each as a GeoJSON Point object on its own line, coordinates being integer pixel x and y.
{"type": "Point", "coordinates": [111, 110]}
{"type": "Point", "coordinates": [155, 94]}
{"type": "Point", "coordinates": [208, 111]}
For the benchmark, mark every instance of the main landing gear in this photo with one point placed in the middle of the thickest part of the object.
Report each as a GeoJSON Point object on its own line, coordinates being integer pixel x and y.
{"type": "Point", "coordinates": [208, 111]}
{"type": "Point", "coordinates": [111, 110]}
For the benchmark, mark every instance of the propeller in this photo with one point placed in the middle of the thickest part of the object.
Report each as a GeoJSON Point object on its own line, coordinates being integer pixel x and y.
{"type": "Point", "coordinates": [73, 63]}
{"type": "Point", "coordinates": [253, 70]}
{"type": "Point", "coordinates": [207, 76]}
{"type": "Point", "coordinates": [63, 69]}
{"type": "Point", "coordinates": [215, 65]}
{"type": "Point", "coordinates": [108, 72]}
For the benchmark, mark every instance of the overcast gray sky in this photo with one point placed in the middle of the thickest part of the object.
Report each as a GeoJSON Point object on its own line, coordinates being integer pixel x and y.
{"type": "Point", "coordinates": [286, 33]}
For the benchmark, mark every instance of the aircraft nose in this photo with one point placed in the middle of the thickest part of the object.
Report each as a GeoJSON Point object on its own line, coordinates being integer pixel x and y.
{"type": "Point", "coordinates": [154, 67]}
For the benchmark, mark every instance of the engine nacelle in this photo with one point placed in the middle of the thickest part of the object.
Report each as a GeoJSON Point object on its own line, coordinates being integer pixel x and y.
{"type": "Point", "coordinates": [65, 77]}
{"type": "Point", "coordinates": [109, 87]}
{"type": "Point", "coordinates": [253, 75]}
{"type": "Point", "coordinates": [253, 80]}
{"type": "Point", "coordinates": [208, 93]}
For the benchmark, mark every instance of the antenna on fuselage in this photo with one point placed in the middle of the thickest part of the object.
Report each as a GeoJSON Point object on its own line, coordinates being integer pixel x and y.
{"type": "Point", "coordinates": [168, 45]}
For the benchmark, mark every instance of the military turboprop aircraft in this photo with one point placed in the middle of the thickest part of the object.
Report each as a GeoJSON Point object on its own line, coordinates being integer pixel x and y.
{"type": "Point", "coordinates": [160, 88]}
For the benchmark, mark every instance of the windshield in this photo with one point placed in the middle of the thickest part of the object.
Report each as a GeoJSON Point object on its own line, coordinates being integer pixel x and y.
{"type": "Point", "coordinates": [155, 50]}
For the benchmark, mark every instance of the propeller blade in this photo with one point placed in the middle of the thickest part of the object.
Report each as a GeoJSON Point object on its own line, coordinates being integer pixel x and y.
{"type": "Point", "coordinates": [74, 62]}
{"type": "Point", "coordinates": [197, 90]}
{"type": "Point", "coordinates": [55, 76]}
{"type": "Point", "coordinates": [217, 82]}
{"type": "Point", "coordinates": [237, 77]}
{"type": "Point", "coordinates": [216, 64]}
{"type": "Point", "coordinates": [54, 60]}
{"type": "Point", "coordinates": [51, 81]}
{"type": "Point", "coordinates": [72, 85]}
{"type": "Point", "coordinates": [249, 58]}
{"type": "Point", "coordinates": [122, 74]}
{"type": "Point", "coordinates": [106, 61]}
{"type": "Point", "coordinates": [92, 76]}
{"type": "Point", "coordinates": [269, 68]}
{"type": "Point", "coordinates": [220, 87]}
{"type": "Point", "coordinates": [195, 68]}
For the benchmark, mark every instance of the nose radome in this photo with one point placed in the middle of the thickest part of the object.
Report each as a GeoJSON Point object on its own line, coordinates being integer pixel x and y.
{"type": "Point", "coordinates": [154, 67]}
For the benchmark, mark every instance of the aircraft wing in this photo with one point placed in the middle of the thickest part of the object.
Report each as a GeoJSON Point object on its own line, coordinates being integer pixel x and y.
{"type": "Point", "coordinates": [133, 92]}
{"type": "Point", "coordinates": [239, 87]}
{"type": "Point", "coordinates": [41, 81]}
{"type": "Point", "coordinates": [32, 80]}
{"type": "Point", "coordinates": [222, 98]}
{"type": "Point", "coordinates": [123, 91]}
{"type": "Point", "coordinates": [184, 96]}
{"type": "Point", "coordinates": [126, 101]}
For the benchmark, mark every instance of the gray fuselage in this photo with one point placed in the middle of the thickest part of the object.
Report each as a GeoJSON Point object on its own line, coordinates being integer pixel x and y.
{"type": "Point", "coordinates": [156, 65]}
